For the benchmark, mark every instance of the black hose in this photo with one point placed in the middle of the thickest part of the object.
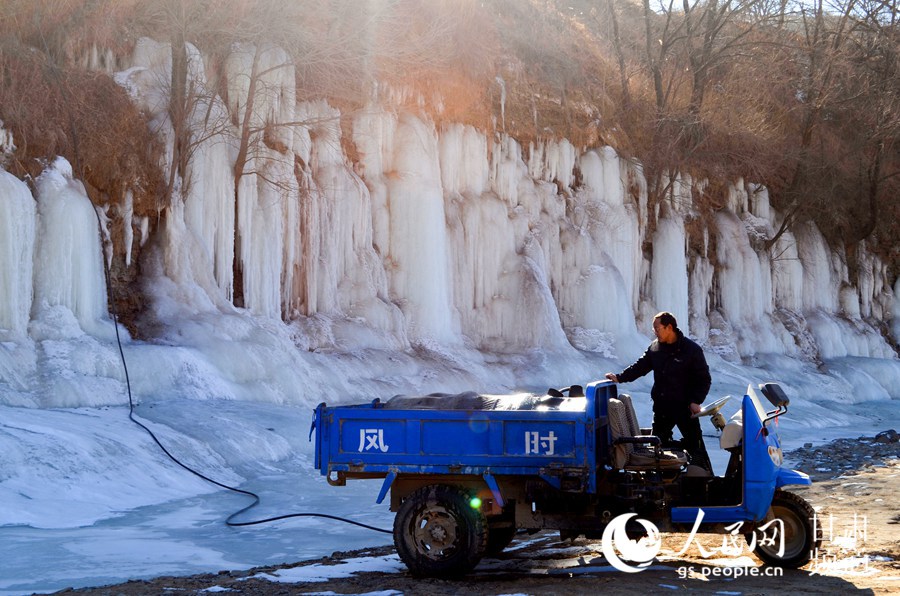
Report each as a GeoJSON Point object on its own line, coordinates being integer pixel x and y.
{"type": "Point", "coordinates": [253, 495]}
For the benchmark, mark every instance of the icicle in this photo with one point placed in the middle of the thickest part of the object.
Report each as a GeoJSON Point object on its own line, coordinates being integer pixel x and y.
{"type": "Point", "coordinates": [7, 147]}
{"type": "Point", "coordinates": [105, 236]}
{"type": "Point", "coordinates": [128, 230]}
{"type": "Point", "coordinates": [145, 229]}
{"type": "Point", "coordinates": [502, 85]}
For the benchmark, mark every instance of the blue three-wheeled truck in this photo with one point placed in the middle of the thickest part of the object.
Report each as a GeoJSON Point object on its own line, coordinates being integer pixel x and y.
{"type": "Point", "coordinates": [465, 472]}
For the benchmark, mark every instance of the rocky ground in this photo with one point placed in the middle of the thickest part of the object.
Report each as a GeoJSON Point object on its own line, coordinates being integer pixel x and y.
{"type": "Point", "coordinates": [855, 488]}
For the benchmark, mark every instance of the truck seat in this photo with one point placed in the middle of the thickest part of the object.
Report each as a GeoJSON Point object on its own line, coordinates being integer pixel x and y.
{"type": "Point", "coordinates": [635, 451]}
{"type": "Point", "coordinates": [634, 428]}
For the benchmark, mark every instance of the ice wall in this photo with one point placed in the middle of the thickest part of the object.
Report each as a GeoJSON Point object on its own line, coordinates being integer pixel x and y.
{"type": "Point", "coordinates": [501, 224]}
{"type": "Point", "coordinates": [449, 237]}
{"type": "Point", "coordinates": [53, 309]}
{"type": "Point", "coordinates": [380, 230]}
{"type": "Point", "coordinates": [344, 224]}
{"type": "Point", "coordinates": [796, 296]}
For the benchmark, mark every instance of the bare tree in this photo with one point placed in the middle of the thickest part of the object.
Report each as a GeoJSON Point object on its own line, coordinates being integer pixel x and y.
{"type": "Point", "coordinates": [715, 31]}
{"type": "Point", "coordinates": [660, 40]}
{"type": "Point", "coordinates": [822, 45]}
{"type": "Point", "coordinates": [874, 106]}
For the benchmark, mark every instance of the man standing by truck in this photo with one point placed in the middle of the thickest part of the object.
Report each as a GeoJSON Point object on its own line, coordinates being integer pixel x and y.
{"type": "Point", "coordinates": [680, 383]}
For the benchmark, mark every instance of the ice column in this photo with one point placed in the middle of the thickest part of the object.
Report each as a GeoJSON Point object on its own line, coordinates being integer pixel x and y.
{"type": "Point", "coordinates": [17, 229]}
{"type": "Point", "coordinates": [787, 273]}
{"type": "Point", "coordinates": [68, 266]}
{"type": "Point", "coordinates": [418, 245]}
{"type": "Point", "coordinates": [401, 168]}
{"type": "Point", "coordinates": [669, 270]}
{"type": "Point", "coordinates": [743, 292]}
{"type": "Point", "coordinates": [604, 252]}
{"type": "Point", "coordinates": [263, 198]}
{"type": "Point", "coordinates": [820, 288]}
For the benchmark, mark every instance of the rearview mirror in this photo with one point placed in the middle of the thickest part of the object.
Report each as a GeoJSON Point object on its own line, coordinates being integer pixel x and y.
{"type": "Point", "coordinates": [775, 394]}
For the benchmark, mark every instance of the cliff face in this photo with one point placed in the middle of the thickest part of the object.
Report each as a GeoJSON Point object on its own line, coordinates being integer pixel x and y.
{"type": "Point", "coordinates": [451, 235]}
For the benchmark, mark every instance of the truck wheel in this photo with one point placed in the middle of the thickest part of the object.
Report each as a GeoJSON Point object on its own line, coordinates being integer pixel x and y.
{"type": "Point", "coordinates": [796, 516]}
{"type": "Point", "coordinates": [498, 539]}
{"type": "Point", "coordinates": [438, 534]}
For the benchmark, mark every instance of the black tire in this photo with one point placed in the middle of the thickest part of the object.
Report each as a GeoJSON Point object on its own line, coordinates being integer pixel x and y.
{"type": "Point", "coordinates": [799, 539]}
{"type": "Point", "coordinates": [499, 538]}
{"type": "Point", "coordinates": [438, 534]}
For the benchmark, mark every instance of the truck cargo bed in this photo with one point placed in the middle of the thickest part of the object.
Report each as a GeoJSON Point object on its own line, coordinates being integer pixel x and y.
{"type": "Point", "coordinates": [549, 438]}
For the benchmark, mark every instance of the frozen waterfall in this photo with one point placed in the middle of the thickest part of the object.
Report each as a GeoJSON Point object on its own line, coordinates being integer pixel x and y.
{"type": "Point", "coordinates": [428, 240]}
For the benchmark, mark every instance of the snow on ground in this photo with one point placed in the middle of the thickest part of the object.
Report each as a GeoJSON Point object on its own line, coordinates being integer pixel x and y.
{"type": "Point", "coordinates": [88, 489]}
{"type": "Point", "coordinates": [345, 568]}
{"type": "Point", "coordinates": [117, 508]}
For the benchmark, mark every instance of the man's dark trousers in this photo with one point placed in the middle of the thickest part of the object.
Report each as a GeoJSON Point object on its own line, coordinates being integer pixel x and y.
{"type": "Point", "coordinates": [692, 440]}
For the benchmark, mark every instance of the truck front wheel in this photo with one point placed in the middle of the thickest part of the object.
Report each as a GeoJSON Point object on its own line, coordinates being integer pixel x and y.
{"type": "Point", "coordinates": [438, 533]}
{"type": "Point", "coordinates": [788, 526]}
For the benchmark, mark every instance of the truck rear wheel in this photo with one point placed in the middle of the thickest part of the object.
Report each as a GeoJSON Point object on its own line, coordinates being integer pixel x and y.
{"type": "Point", "coordinates": [798, 535]}
{"type": "Point", "coordinates": [438, 534]}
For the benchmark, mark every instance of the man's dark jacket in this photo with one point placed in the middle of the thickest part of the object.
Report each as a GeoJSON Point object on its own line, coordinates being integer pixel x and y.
{"type": "Point", "coordinates": [680, 375]}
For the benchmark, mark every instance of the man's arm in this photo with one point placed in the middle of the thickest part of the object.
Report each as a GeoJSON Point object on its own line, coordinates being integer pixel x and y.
{"type": "Point", "coordinates": [641, 367]}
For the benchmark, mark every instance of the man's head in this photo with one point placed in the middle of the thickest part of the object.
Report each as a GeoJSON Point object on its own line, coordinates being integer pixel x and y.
{"type": "Point", "coordinates": [666, 328]}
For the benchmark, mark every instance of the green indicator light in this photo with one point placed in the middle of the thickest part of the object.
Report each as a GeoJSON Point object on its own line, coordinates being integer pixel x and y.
{"type": "Point", "coordinates": [475, 503]}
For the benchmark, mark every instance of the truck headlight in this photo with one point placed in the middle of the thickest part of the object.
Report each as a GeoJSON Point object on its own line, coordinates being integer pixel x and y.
{"type": "Point", "coordinates": [776, 455]}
